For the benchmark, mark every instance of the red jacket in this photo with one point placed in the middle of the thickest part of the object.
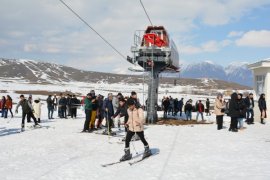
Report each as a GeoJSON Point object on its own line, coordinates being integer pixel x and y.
{"type": "Point", "coordinates": [8, 104]}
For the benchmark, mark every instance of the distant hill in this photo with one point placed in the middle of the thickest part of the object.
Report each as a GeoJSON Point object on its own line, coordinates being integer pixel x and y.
{"type": "Point", "coordinates": [50, 73]}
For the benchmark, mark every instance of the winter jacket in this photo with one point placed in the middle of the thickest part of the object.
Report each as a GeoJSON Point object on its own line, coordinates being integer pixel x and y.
{"type": "Point", "coordinates": [26, 106]}
{"type": "Point", "coordinates": [218, 107]}
{"type": "Point", "coordinates": [8, 104]}
{"type": "Point", "coordinates": [247, 102]}
{"type": "Point", "coordinates": [108, 105]}
{"type": "Point", "coordinates": [74, 103]}
{"type": "Point", "coordinates": [135, 120]}
{"type": "Point", "coordinates": [188, 107]}
{"type": "Point", "coordinates": [37, 108]}
{"type": "Point", "coordinates": [207, 104]}
{"type": "Point", "coordinates": [62, 102]}
{"type": "Point", "coordinates": [166, 104]}
{"type": "Point", "coordinates": [234, 110]}
{"type": "Point", "coordinates": [200, 107]}
{"type": "Point", "coordinates": [262, 104]}
{"type": "Point", "coordinates": [3, 104]}
{"type": "Point", "coordinates": [122, 111]}
{"type": "Point", "coordinates": [50, 102]}
{"type": "Point", "coordinates": [242, 108]}
{"type": "Point", "coordinates": [88, 104]}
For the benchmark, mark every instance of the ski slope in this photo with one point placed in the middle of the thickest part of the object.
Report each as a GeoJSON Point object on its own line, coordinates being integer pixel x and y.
{"type": "Point", "coordinates": [58, 151]}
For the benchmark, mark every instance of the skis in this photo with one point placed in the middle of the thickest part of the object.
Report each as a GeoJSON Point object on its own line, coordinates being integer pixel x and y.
{"type": "Point", "coordinates": [154, 152]}
{"type": "Point", "coordinates": [140, 160]}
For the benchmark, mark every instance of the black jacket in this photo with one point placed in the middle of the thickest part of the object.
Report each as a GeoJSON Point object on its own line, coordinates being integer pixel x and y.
{"type": "Point", "coordinates": [262, 104]}
{"type": "Point", "coordinates": [247, 102]}
{"type": "Point", "coordinates": [234, 110]}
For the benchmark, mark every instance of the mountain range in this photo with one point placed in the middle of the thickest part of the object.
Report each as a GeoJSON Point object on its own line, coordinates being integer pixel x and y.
{"type": "Point", "coordinates": [237, 72]}
{"type": "Point", "coordinates": [50, 73]}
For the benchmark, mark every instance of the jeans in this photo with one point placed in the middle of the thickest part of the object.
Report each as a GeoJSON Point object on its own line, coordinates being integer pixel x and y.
{"type": "Point", "coordinates": [50, 112]}
{"type": "Point", "coordinates": [198, 115]}
{"type": "Point", "coordinates": [250, 112]}
{"type": "Point", "coordinates": [188, 115]}
{"type": "Point", "coordinates": [240, 122]}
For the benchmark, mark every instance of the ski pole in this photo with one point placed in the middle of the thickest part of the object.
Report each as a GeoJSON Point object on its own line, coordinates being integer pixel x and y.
{"type": "Point", "coordinates": [134, 146]}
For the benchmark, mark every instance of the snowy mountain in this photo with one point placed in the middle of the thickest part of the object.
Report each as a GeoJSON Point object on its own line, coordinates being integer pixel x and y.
{"type": "Point", "coordinates": [36, 72]}
{"type": "Point", "coordinates": [237, 72]}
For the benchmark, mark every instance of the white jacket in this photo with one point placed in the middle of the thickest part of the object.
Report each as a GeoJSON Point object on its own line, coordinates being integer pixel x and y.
{"type": "Point", "coordinates": [37, 108]}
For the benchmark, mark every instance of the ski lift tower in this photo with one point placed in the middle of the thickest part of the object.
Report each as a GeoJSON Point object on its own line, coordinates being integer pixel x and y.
{"type": "Point", "coordinates": [155, 52]}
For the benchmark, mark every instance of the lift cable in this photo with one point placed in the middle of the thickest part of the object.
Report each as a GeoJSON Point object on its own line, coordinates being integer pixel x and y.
{"type": "Point", "coordinates": [92, 29]}
{"type": "Point", "coordinates": [146, 13]}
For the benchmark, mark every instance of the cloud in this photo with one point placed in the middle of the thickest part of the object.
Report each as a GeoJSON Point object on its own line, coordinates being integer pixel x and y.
{"type": "Point", "coordinates": [255, 39]}
{"type": "Point", "coordinates": [207, 47]}
{"type": "Point", "coordinates": [235, 34]}
{"type": "Point", "coordinates": [48, 29]}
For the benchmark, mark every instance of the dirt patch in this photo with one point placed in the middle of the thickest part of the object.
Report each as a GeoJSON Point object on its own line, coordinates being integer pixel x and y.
{"type": "Point", "coordinates": [174, 122]}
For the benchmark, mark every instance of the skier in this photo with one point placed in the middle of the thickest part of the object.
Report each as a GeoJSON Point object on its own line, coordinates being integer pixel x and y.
{"type": "Point", "coordinates": [135, 125]}
{"type": "Point", "coordinates": [37, 109]}
{"type": "Point", "coordinates": [27, 109]}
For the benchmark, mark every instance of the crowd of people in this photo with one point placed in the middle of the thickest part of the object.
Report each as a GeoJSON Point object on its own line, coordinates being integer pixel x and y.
{"type": "Point", "coordinates": [98, 108]}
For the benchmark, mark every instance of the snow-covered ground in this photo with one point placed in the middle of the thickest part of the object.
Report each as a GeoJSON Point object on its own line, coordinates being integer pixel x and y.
{"type": "Point", "coordinates": [58, 151]}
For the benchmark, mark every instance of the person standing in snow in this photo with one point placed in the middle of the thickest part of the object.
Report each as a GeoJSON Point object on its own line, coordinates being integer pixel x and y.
{"type": "Point", "coordinates": [135, 125]}
{"type": "Point", "coordinates": [122, 111]}
{"type": "Point", "coordinates": [165, 104]}
{"type": "Point", "coordinates": [250, 106]}
{"type": "Point", "coordinates": [55, 102]}
{"type": "Point", "coordinates": [9, 106]}
{"type": "Point", "coordinates": [3, 106]}
{"type": "Point", "coordinates": [234, 112]}
{"type": "Point", "coordinates": [74, 103]}
{"type": "Point", "coordinates": [188, 109]}
{"type": "Point", "coordinates": [200, 110]}
{"type": "Point", "coordinates": [37, 109]}
{"type": "Point", "coordinates": [26, 109]}
{"type": "Point", "coordinates": [180, 106]}
{"type": "Point", "coordinates": [136, 99]}
{"type": "Point", "coordinates": [88, 112]}
{"type": "Point", "coordinates": [262, 107]}
{"type": "Point", "coordinates": [242, 109]}
{"type": "Point", "coordinates": [100, 114]}
{"type": "Point", "coordinates": [109, 112]}
{"type": "Point", "coordinates": [50, 106]}
{"type": "Point", "coordinates": [30, 99]}
{"type": "Point", "coordinates": [63, 106]}
{"type": "Point", "coordinates": [219, 109]}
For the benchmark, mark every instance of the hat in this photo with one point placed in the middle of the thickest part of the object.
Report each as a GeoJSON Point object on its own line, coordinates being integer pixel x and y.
{"type": "Point", "coordinates": [130, 102]}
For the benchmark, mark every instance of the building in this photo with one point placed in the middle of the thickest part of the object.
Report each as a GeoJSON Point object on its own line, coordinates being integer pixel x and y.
{"type": "Point", "coordinates": [261, 73]}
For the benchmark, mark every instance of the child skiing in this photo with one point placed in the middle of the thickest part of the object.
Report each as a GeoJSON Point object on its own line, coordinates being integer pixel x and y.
{"type": "Point", "coordinates": [135, 125]}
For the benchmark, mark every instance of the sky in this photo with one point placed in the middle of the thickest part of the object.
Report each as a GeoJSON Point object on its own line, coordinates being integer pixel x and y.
{"type": "Point", "coordinates": [220, 31]}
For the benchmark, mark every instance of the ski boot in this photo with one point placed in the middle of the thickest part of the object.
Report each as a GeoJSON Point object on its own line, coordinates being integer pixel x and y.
{"type": "Point", "coordinates": [127, 155]}
{"type": "Point", "coordinates": [36, 125]}
{"type": "Point", "coordinates": [147, 152]}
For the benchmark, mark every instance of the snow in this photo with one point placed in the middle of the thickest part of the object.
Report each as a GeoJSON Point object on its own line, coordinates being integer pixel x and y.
{"type": "Point", "coordinates": [59, 151]}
